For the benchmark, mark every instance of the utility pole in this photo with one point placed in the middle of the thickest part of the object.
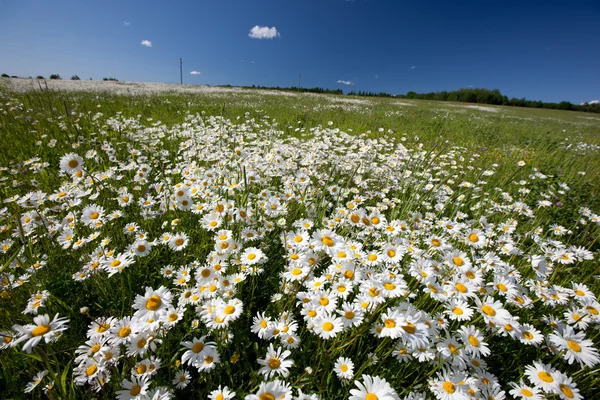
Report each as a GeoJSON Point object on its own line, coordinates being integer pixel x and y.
{"type": "Point", "coordinates": [181, 69]}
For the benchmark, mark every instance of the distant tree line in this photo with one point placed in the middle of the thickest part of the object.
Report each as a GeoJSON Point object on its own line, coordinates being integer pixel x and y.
{"type": "Point", "coordinates": [370, 94]}
{"type": "Point", "coordinates": [57, 76]}
{"type": "Point", "coordinates": [470, 95]}
{"type": "Point", "coordinates": [297, 89]}
{"type": "Point", "coordinates": [486, 96]}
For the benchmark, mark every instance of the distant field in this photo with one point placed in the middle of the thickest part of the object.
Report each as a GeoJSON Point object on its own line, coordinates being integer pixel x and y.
{"type": "Point", "coordinates": [199, 237]}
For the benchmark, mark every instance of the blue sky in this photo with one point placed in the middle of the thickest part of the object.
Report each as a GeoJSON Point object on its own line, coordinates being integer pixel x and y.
{"type": "Point", "coordinates": [539, 50]}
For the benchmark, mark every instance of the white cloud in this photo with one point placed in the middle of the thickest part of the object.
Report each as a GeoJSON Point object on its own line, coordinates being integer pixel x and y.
{"type": "Point", "coordinates": [263, 32]}
{"type": "Point", "coordinates": [195, 73]}
{"type": "Point", "coordinates": [594, 102]}
{"type": "Point", "coordinates": [345, 82]}
{"type": "Point", "coordinates": [146, 43]}
{"type": "Point", "coordinates": [125, 23]}
{"type": "Point", "coordinates": [413, 67]}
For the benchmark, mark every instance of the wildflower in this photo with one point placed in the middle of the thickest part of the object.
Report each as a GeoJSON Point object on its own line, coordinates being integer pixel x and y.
{"type": "Point", "coordinates": [198, 348]}
{"type": "Point", "coordinates": [271, 390]}
{"type": "Point", "coordinates": [37, 379]}
{"type": "Point", "coordinates": [153, 304]}
{"type": "Point", "coordinates": [373, 388]}
{"type": "Point", "coordinates": [327, 326]}
{"type": "Point", "coordinates": [71, 163]}
{"type": "Point", "coordinates": [178, 242]}
{"type": "Point", "coordinates": [576, 347]}
{"type": "Point", "coordinates": [42, 328]}
{"type": "Point", "coordinates": [221, 393]}
{"type": "Point", "coordinates": [134, 389]}
{"type": "Point", "coordinates": [344, 368]}
{"type": "Point", "coordinates": [275, 362]}
{"type": "Point", "coordinates": [542, 376]}
{"type": "Point", "coordinates": [449, 386]}
{"type": "Point", "coordinates": [181, 379]}
{"type": "Point", "coordinates": [251, 256]}
{"type": "Point", "coordinates": [566, 388]}
{"type": "Point", "coordinates": [525, 392]}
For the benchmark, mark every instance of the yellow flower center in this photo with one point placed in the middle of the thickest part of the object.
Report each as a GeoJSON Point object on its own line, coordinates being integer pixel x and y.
{"type": "Point", "coordinates": [526, 392]}
{"type": "Point", "coordinates": [349, 315]}
{"type": "Point", "coordinates": [40, 330]}
{"type": "Point", "coordinates": [592, 310]}
{"type": "Point", "coordinates": [153, 303]}
{"type": "Point", "coordinates": [473, 238]}
{"type": "Point", "coordinates": [487, 310]}
{"type": "Point", "coordinates": [179, 242]}
{"type": "Point", "coordinates": [198, 347]}
{"type": "Point", "coordinates": [327, 326]}
{"type": "Point", "coordinates": [473, 340]}
{"type": "Point", "coordinates": [436, 243]}
{"type": "Point", "coordinates": [124, 332]}
{"type": "Point", "coordinates": [409, 328]}
{"type": "Point", "coordinates": [266, 396]}
{"type": "Point", "coordinates": [458, 261]}
{"type": "Point", "coordinates": [91, 370]}
{"type": "Point", "coordinates": [546, 377]}
{"type": "Point", "coordinates": [453, 349]}
{"type": "Point", "coordinates": [371, 396]}
{"type": "Point", "coordinates": [324, 301]}
{"type": "Point", "coordinates": [457, 311]}
{"type": "Point", "coordinates": [566, 391]}
{"type": "Point", "coordinates": [141, 343]}
{"type": "Point", "coordinates": [135, 390]}
{"type": "Point", "coordinates": [73, 163]}
{"type": "Point", "coordinates": [501, 287]}
{"type": "Point", "coordinates": [141, 369]}
{"type": "Point", "coordinates": [229, 310]}
{"type": "Point", "coordinates": [274, 363]}
{"type": "Point", "coordinates": [390, 323]}
{"type": "Point", "coordinates": [574, 346]}
{"type": "Point", "coordinates": [461, 288]}
{"type": "Point", "coordinates": [449, 387]}
{"type": "Point", "coordinates": [527, 335]}
{"type": "Point", "coordinates": [327, 241]}
{"type": "Point", "coordinates": [251, 256]}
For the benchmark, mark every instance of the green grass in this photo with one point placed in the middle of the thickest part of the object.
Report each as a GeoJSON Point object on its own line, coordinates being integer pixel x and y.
{"type": "Point", "coordinates": [438, 134]}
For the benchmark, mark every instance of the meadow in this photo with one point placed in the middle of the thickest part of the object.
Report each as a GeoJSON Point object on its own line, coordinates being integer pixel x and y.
{"type": "Point", "coordinates": [162, 241]}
